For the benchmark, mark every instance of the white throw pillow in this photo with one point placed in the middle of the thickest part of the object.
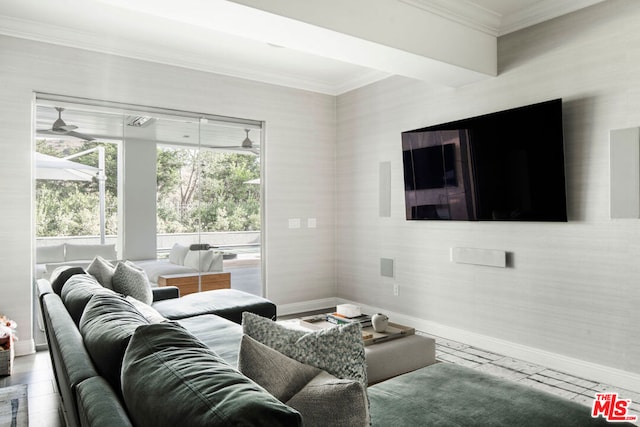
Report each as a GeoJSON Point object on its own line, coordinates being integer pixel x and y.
{"type": "Point", "coordinates": [102, 270]}
{"type": "Point", "coordinates": [177, 254]}
{"type": "Point", "coordinates": [131, 280]}
{"type": "Point", "coordinates": [199, 260]}
{"type": "Point", "coordinates": [45, 254]}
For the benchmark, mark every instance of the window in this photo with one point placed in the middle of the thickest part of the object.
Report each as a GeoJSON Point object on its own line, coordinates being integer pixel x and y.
{"type": "Point", "coordinates": [143, 179]}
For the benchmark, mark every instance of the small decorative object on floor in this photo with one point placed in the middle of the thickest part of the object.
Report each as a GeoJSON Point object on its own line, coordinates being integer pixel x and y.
{"type": "Point", "coordinates": [13, 406]}
{"type": "Point", "coordinates": [7, 336]}
{"type": "Point", "coordinates": [380, 322]}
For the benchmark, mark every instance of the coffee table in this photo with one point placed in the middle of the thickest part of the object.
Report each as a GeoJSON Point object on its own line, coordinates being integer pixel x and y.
{"type": "Point", "coordinates": [190, 283]}
{"type": "Point", "coordinates": [387, 355]}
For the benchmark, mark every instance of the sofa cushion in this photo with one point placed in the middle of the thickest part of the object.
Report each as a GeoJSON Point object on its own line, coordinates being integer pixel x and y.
{"type": "Point", "coordinates": [216, 332]}
{"type": "Point", "coordinates": [149, 313]}
{"type": "Point", "coordinates": [338, 350]}
{"type": "Point", "coordinates": [106, 326]}
{"type": "Point", "coordinates": [102, 270]}
{"type": "Point", "coordinates": [227, 303]}
{"type": "Point", "coordinates": [131, 280]}
{"type": "Point", "coordinates": [54, 253]}
{"type": "Point", "coordinates": [320, 397]}
{"type": "Point", "coordinates": [60, 276]}
{"type": "Point", "coordinates": [177, 254]}
{"type": "Point", "coordinates": [169, 376]}
{"type": "Point", "coordinates": [81, 251]}
{"type": "Point", "coordinates": [77, 292]}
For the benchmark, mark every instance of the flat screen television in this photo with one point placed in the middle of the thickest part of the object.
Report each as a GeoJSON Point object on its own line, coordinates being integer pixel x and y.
{"type": "Point", "coordinates": [504, 166]}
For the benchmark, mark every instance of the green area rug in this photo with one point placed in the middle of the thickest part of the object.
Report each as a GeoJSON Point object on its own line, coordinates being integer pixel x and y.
{"type": "Point", "coordinates": [14, 411]}
{"type": "Point", "coordinates": [450, 395]}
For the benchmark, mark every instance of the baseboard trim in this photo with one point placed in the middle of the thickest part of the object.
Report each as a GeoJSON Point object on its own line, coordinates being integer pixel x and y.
{"type": "Point", "coordinates": [301, 307]}
{"type": "Point", "coordinates": [579, 368]}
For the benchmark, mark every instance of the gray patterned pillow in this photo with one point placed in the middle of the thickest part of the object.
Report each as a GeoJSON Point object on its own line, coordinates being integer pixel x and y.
{"type": "Point", "coordinates": [130, 280]}
{"type": "Point", "coordinates": [102, 270]}
{"type": "Point", "coordinates": [338, 350]}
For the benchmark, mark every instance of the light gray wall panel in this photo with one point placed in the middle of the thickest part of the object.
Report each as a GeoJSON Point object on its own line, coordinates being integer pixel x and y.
{"type": "Point", "coordinates": [571, 288]}
{"type": "Point", "coordinates": [138, 210]}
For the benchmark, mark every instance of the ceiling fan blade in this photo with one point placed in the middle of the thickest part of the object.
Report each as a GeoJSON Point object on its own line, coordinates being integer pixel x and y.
{"type": "Point", "coordinates": [242, 150]}
{"type": "Point", "coordinates": [80, 135]}
{"type": "Point", "coordinates": [66, 128]}
{"type": "Point", "coordinates": [50, 132]}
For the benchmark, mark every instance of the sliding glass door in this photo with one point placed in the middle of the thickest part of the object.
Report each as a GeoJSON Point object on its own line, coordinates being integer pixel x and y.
{"type": "Point", "coordinates": [176, 192]}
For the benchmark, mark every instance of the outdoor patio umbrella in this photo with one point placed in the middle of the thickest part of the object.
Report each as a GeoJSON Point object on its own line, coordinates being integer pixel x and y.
{"type": "Point", "coordinates": [55, 168]}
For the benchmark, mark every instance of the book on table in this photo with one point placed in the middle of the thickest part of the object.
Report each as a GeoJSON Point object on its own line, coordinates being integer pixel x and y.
{"type": "Point", "coordinates": [338, 319]}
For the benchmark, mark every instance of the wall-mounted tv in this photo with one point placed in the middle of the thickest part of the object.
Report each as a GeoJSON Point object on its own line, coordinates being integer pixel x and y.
{"type": "Point", "coordinates": [504, 166]}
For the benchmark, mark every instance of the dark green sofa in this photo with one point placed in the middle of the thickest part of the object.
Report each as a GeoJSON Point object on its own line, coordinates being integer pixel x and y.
{"type": "Point", "coordinates": [163, 365]}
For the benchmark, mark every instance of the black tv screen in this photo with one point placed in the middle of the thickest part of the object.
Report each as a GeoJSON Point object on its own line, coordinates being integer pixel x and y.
{"type": "Point", "coordinates": [504, 166]}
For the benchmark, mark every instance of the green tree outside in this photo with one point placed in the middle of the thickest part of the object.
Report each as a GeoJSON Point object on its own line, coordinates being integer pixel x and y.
{"type": "Point", "coordinates": [197, 190]}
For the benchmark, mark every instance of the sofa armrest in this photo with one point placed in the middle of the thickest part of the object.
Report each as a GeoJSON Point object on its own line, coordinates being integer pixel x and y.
{"type": "Point", "coordinates": [98, 404]}
{"type": "Point", "coordinates": [44, 287]}
{"type": "Point", "coordinates": [165, 292]}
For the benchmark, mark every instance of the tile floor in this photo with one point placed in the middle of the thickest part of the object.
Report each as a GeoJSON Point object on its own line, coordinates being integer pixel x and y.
{"type": "Point", "coordinates": [570, 387]}
{"type": "Point", "coordinates": [35, 370]}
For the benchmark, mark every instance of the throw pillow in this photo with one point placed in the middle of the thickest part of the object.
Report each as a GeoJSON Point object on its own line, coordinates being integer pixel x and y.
{"type": "Point", "coordinates": [102, 270]}
{"type": "Point", "coordinates": [169, 377]}
{"type": "Point", "coordinates": [338, 350]}
{"type": "Point", "coordinates": [280, 375]}
{"type": "Point", "coordinates": [177, 254]}
{"type": "Point", "coordinates": [199, 260]}
{"type": "Point", "coordinates": [149, 313]}
{"type": "Point", "coordinates": [61, 275]}
{"type": "Point", "coordinates": [330, 401]}
{"type": "Point", "coordinates": [130, 280]}
{"type": "Point", "coordinates": [77, 292]}
{"type": "Point", "coordinates": [107, 324]}
{"type": "Point", "coordinates": [320, 397]}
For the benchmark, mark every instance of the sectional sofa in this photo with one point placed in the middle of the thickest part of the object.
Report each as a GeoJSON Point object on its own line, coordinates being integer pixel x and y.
{"type": "Point", "coordinates": [188, 361]}
{"type": "Point", "coordinates": [181, 259]}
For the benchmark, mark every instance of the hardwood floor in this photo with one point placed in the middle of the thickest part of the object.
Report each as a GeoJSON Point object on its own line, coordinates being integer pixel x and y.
{"type": "Point", "coordinates": [44, 401]}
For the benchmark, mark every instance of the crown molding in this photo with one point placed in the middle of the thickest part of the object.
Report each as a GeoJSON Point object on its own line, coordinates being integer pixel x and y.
{"type": "Point", "coordinates": [468, 13]}
{"type": "Point", "coordinates": [540, 12]}
{"type": "Point", "coordinates": [53, 34]}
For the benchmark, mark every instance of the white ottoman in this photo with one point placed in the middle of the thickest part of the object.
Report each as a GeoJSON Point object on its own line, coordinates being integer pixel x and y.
{"type": "Point", "coordinates": [399, 356]}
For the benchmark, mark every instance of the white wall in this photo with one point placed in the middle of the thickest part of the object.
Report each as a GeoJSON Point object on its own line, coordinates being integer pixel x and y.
{"type": "Point", "coordinates": [573, 289]}
{"type": "Point", "coordinates": [298, 158]}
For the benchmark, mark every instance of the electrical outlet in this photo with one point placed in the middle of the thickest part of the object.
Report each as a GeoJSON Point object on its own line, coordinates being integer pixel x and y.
{"type": "Point", "coordinates": [396, 288]}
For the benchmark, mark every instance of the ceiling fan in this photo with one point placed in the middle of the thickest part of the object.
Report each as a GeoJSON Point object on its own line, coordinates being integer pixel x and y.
{"type": "Point", "coordinates": [247, 145]}
{"type": "Point", "coordinates": [59, 127]}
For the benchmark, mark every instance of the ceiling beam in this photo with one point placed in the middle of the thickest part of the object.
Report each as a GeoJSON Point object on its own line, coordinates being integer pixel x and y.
{"type": "Point", "coordinates": [386, 35]}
